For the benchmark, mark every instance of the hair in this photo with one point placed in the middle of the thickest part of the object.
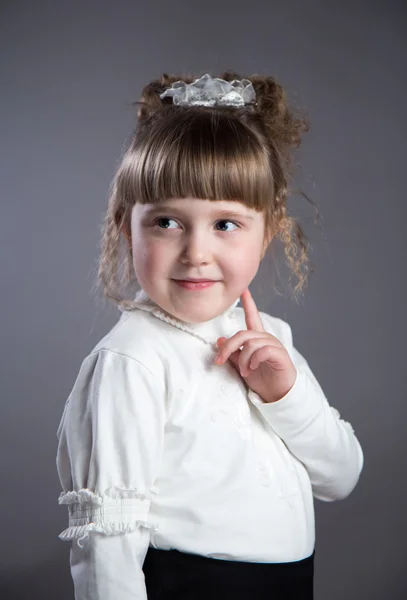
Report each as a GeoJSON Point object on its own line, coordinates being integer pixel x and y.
{"type": "Point", "coordinates": [215, 153]}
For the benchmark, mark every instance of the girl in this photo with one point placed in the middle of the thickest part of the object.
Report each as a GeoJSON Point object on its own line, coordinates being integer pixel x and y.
{"type": "Point", "coordinates": [196, 435]}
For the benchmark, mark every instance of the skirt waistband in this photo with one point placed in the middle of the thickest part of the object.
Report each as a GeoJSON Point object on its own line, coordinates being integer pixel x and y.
{"type": "Point", "coordinates": [175, 556]}
{"type": "Point", "coordinates": [180, 575]}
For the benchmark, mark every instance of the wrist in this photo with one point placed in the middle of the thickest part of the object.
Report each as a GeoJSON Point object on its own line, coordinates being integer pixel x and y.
{"type": "Point", "coordinates": [282, 395]}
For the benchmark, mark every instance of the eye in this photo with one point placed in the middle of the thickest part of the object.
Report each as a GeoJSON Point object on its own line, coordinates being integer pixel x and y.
{"type": "Point", "coordinates": [163, 222]}
{"type": "Point", "coordinates": [223, 223]}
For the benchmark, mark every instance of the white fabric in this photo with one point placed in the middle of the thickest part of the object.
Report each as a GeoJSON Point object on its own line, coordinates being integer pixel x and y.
{"type": "Point", "coordinates": [159, 446]}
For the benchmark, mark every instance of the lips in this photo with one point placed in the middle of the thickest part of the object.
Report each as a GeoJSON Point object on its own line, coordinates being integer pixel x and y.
{"type": "Point", "coordinates": [195, 284]}
{"type": "Point", "coordinates": [197, 280]}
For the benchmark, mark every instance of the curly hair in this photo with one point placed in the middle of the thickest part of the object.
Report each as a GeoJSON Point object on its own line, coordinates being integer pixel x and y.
{"type": "Point", "coordinates": [221, 153]}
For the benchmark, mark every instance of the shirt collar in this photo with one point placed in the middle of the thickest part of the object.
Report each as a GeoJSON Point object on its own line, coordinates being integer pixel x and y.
{"type": "Point", "coordinates": [224, 324]}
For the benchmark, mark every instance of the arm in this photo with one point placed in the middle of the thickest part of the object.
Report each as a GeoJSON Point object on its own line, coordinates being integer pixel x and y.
{"type": "Point", "coordinates": [109, 567]}
{"type": "Point", "coordinates": [109, 451]}
{"type": "Point", "coordinates": [313, 431]}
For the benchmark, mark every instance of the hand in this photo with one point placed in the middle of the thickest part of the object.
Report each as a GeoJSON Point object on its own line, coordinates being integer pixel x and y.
{"type": "Point", "coordinates": [259, 357]}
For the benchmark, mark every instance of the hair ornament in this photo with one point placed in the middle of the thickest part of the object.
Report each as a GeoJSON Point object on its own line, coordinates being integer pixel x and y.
{"type": "Point", "coordinates": [208, 91]}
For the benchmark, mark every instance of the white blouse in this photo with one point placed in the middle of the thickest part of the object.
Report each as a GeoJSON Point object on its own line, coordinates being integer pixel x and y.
{"type": "Point", "coordinates": [159, 446]}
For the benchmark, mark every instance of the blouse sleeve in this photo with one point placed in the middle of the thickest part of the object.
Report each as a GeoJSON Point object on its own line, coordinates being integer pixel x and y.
{"type": "Point", "coordinates": [109, 451]}
{"type": "Point", "coordinates": [313, 430]}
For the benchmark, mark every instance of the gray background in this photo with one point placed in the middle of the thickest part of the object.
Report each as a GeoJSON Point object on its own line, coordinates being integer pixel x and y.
{"type": "Point", "coordinates": [68, 70]}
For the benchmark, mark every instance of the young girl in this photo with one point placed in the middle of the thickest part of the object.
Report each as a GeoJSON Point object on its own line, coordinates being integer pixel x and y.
{"type": "Point", "coordinates": [196, 435]}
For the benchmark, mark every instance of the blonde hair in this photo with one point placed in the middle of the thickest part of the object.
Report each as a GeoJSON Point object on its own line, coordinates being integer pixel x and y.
{"type": "Point", "coordinates": [222, 153]}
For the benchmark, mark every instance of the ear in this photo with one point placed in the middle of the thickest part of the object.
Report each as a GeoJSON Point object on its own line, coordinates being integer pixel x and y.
{"type": "Point", "coordinates": [268, 236]}
{"type": "Point", "coordinates": [126, 231]}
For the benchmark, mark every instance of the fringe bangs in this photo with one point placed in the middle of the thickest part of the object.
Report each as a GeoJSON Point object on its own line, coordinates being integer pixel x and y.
{"type": "Point", "coordinates": [200, 154]}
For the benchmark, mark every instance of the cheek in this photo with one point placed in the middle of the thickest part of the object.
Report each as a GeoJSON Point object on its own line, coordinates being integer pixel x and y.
{"type": "Point", "coordinates": [150, 256]}
{"type": "Point", "coordinates": [243, 259]}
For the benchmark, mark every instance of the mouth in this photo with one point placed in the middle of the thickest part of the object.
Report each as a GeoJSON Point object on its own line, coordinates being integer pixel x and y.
{"type": "Point", "coordinates": [196, 280]}
{"type": "Point", "coordinates": [195, 284]}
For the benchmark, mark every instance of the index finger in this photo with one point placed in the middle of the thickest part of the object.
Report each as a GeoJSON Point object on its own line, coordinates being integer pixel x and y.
{"type": "Point", "coordinates": [252, 315]}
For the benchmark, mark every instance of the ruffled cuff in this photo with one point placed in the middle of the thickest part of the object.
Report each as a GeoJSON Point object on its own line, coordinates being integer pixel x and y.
{"type": "Point", "coordinates": [117, 511]}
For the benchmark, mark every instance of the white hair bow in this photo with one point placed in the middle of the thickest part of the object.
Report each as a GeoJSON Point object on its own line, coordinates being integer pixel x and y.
{"type": "Point", "coordinates": [208, 91]}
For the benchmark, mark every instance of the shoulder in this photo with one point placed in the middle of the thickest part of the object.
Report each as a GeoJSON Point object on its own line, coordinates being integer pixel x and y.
{"type": "Point", "coordinates": [135, 338]}
{"type": "Point", "coordinates": [122, 361]}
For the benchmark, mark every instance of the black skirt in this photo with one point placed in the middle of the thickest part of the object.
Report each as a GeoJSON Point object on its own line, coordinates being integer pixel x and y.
{"type": "Point", "coordinates": [174, 575]}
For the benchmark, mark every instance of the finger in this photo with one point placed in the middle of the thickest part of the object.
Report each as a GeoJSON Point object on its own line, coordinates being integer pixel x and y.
{"type": "Point", "coordinates": [237, 340]}
{"type": "Point", "coordinates": [220, 341]}
{"type": "Point", "coordinates": [234, 360]}
{"type": "Point", "coordinates": [270, 354]}
{"type": "Point", "coordinates": [250, 348]}
{"type": "Point", "coordinates": [252, 315]}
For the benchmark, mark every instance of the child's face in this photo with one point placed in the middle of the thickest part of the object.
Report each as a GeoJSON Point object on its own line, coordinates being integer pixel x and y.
{"type": "Point", "coordinates": [189, 238]}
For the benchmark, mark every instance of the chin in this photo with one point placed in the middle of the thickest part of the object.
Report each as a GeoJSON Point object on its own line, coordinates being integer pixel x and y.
{"type": "Point", "coordinates": [196, 320]}
{"type": "Point", "coordinates": [200, 317]}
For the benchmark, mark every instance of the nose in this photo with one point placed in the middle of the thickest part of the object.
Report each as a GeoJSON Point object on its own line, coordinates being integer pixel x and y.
{"type": "Point", "coordinates": [196, 250]}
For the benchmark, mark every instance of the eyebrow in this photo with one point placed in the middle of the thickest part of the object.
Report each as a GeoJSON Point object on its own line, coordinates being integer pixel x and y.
{"type": "Point", "coordinates": [224, 212]}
